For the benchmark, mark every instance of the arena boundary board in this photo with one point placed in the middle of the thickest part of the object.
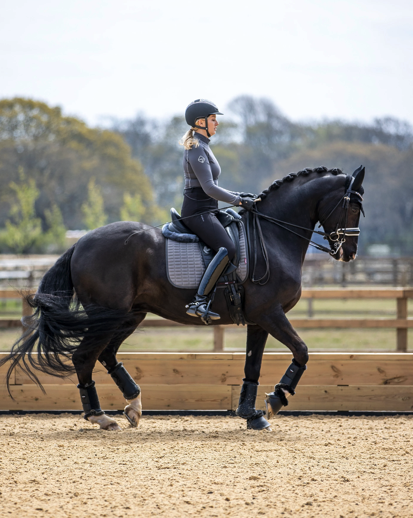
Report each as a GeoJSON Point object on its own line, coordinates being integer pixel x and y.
{"type": "Point", "coordinates": [375, 382]}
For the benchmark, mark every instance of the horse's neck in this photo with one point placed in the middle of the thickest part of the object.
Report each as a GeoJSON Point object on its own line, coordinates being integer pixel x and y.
{"type": "Point", "coordinates": [297, 204]}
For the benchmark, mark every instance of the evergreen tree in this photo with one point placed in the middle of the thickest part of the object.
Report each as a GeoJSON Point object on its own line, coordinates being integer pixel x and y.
{"type": "Point", "coordinates": [93, 210]}
{"type": "Point", "coordinates": [132, 209]}
{"type": "Point", "coordinates": [55, 237]}
{"type": "Point", "coordinates": [23, 229]}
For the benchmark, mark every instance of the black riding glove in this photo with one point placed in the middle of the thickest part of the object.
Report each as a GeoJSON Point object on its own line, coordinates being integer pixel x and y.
{"type": "Point", "coordinates": [247, 203]}
{"type": "Point", "coordinates": [246, 195]}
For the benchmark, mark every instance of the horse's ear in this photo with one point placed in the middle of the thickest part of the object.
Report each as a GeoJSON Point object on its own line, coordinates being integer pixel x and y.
{"type": "Point", "coordinates": [358, 177]}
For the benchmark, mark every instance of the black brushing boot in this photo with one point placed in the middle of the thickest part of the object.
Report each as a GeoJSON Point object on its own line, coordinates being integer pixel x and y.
{"type": "Point", "coordinates": [200, 305]}
{"type": "Point", "coordinates": [90, 400]}
{"type": "Point", "coordinates": [246, 407]}
{"type": "Point", "coordinates": [277, 399]}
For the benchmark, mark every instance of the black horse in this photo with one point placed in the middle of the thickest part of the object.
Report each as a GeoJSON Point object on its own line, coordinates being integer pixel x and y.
{"type": "Point", "coordinates": [118, 275]}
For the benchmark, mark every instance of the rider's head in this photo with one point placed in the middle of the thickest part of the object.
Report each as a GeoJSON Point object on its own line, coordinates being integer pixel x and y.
{"type": "Point", "coordinates": [201, 114]}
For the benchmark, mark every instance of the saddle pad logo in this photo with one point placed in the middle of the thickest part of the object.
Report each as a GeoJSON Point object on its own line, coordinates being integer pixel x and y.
{"type": "Point", "coordinates": [201, 159]}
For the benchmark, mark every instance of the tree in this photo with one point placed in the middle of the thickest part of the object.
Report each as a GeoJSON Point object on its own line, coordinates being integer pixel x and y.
{"type": "Point", "coordinates": [132, 209]}
{"type": "Point", "coordinates": [55, 236]}
{"type": "Point", "coordinates": [24, 233]}
{"type": "Point", "coordinates": [156, 146]}
{"type": "Point", "coordinates": [266, 136]}
{"type": "Point", "coordinates": [62, 154]}
{"type": "Point", "coordinates": [93, 211]}
{"type": "Point", "coordinates": [388, 131]}
{"type": "Point", "coordinates": [23, 229]}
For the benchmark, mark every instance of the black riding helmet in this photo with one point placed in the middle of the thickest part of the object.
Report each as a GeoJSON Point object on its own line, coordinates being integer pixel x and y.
{"type": "Point", "coordinates": [200, 109]}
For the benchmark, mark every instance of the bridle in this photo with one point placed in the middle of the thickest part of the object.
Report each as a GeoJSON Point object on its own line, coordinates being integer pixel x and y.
{"type": "Point", "coordinates": [337, 237]}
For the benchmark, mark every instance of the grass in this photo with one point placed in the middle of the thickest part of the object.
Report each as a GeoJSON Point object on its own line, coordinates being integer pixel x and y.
{"type": "Point", "coordinates": [200, 339]}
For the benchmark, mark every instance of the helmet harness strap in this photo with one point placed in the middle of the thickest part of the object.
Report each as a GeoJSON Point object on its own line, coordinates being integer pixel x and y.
{"type": "Point", "coordinates": [202, 127]}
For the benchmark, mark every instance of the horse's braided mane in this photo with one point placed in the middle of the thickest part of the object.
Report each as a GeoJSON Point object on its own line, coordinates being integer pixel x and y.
{"type": "Point", "coordinates": [290, 177]}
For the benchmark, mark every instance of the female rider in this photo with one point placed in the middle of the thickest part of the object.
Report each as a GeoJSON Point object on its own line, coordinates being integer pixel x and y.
{"type": "Point", "coordinates": [201, 196]}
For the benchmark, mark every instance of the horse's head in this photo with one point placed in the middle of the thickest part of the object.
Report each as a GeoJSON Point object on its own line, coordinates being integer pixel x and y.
{"type": "Point", "coordinates": [339, 214]}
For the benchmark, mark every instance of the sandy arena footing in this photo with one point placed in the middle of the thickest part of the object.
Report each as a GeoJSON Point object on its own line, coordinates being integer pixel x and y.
{"type": "Point", "coordinates": [317, 466]}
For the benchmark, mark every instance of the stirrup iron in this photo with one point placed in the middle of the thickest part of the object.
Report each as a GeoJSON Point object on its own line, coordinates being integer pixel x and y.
{"type": "Point", "coordinates": [201, 309]}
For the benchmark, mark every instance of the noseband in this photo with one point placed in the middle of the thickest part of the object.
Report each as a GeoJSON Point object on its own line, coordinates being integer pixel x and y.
{"type": "Point", "coordinates": [337, 237]}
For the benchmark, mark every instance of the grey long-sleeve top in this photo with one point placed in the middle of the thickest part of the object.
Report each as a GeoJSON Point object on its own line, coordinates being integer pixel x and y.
{"type": "Point", "coordinates": [202, 169]}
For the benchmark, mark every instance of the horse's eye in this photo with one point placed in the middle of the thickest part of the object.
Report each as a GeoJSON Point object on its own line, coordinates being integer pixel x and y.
{"type": "Point", "coordinates": [354, 209]}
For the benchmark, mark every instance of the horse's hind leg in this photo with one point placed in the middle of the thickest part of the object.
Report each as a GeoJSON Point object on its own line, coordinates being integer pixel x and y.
{"type": "Point", "coordinates": [130, 390]}
{"type": "Point", "coordinates": [84, 359]}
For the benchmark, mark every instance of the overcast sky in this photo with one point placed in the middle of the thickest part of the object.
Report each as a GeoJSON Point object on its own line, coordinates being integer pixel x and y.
{"type": "Point", "coordinates": [350, 59]}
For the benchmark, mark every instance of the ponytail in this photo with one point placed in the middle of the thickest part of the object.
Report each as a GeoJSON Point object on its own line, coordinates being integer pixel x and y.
{"type": "Point", "coordinates": [189, 139]}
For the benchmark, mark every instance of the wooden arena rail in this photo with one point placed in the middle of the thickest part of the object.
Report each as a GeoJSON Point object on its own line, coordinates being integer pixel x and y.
{"type": "Point", "coordinates": [402, 323]}
{"type": "Point", "coordinates": [212, 381]}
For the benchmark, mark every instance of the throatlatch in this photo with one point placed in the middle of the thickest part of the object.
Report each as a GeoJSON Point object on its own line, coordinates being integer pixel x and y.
{"type": "Point", "coordinates": [277, 399]}
{"type": "Point", "coordinates": [124, 381]}
{"type": "Point", "coordinates": [246, 407]}
{"type": "Point", "coordinates": [90, 400]}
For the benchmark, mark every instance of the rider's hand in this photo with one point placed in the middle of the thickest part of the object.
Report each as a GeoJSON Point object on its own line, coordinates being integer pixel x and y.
{"type": "Point", "coordinates": [247, 203]}
{"type": "Point", "coordinates": [246, 195]}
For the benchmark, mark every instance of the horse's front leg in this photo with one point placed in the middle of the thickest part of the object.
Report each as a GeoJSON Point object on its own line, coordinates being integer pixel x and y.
{"type": "Point", "coordinates": [281, 329]}
{"type": "Point", "coordinates": [256, 339]}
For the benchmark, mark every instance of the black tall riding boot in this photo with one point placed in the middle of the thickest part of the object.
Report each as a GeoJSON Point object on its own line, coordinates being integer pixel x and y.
{"type": "Point", "coordinates": [200, 305]}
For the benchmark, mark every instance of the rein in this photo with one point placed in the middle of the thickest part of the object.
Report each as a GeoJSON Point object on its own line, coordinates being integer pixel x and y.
{"type": "Point", "coordinates": [337, 236]}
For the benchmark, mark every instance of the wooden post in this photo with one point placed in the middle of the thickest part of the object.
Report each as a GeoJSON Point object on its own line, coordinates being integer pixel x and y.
{"type": "Point", "coordinates": [410, 263]}
{"type": "Point", "coordinates": [402, 333]}
{"type": "Point", "coordinates": [26, 311]}
{"type": "Point", "coordinates": [218, 338]}
{"type": "Point", "coordinates": [395, 272]}
{"type": "Point", "coordinates": [310, 312]}
{"type": "Point", "coordinates": [343, 275]}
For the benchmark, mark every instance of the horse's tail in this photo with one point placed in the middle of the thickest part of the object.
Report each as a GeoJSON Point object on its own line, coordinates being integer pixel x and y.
{"type": "Point", "coordinates": [58, 325]}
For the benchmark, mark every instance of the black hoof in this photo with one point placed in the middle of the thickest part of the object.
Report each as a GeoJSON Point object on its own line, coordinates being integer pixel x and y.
{"type": "Point", "coordinates": [258, 423]}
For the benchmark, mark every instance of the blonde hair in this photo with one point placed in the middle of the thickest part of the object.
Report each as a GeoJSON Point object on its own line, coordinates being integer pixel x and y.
{"type": "Point", "coordinates": [189, 139]}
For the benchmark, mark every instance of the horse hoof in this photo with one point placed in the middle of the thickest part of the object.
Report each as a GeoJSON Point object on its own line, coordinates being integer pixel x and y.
{"type": "Point", "coordinates": [105, 422]}
{"type": "Point", "coordinates": [113, 427]}
{"type": "Point", "coordinates": [258, 423]}
{"type": "Point", "coordinates": [273, 405]}
{"type": "Point", "coordinates": [133, 421]}
{"type": "Point", "coordinates": [133, 411]}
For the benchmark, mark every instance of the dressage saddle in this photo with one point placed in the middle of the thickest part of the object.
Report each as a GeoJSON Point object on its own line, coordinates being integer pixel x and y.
{"type": "Point", "coordinates": [177, 231]}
